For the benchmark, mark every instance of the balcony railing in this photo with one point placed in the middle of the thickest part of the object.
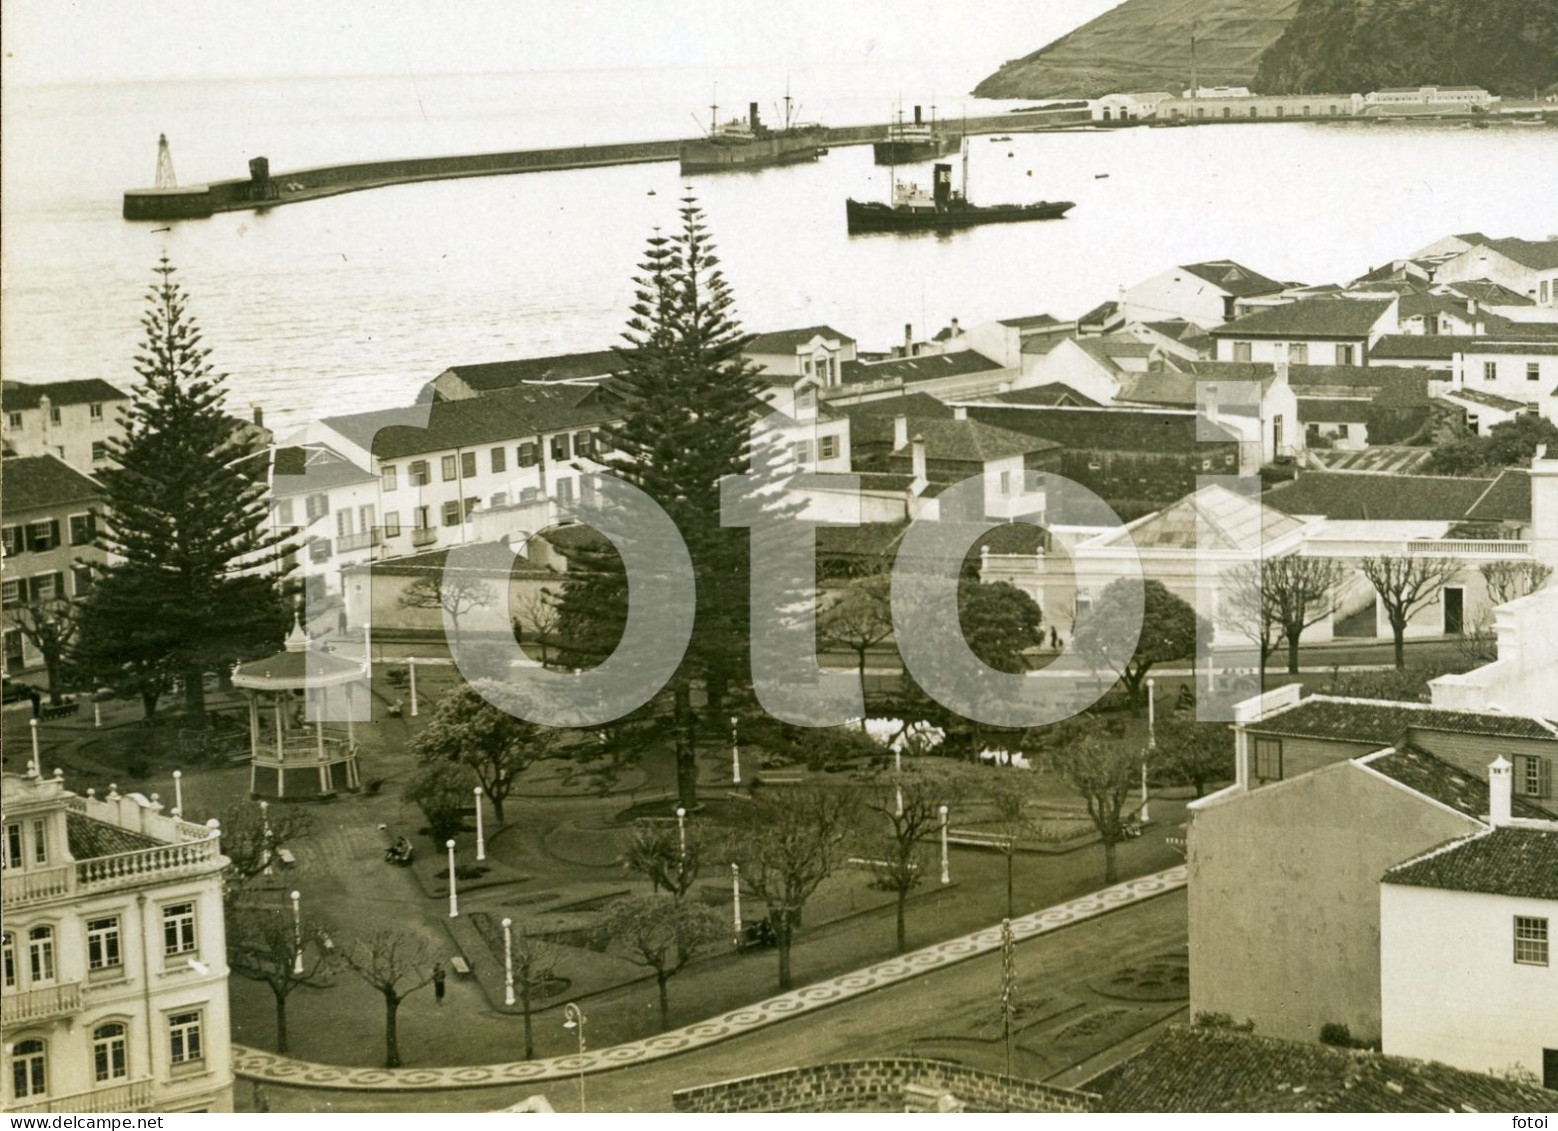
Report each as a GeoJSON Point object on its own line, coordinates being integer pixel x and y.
{"type": "Point", "coordinates": [24, 887]}
{"type": "Point", "coordinates": [134, 1096]}
{"type": "Point", "coordinates": [301, 751]}
{"type": "Point", "coordinates": [424, 537]}
{"type": "Point", "coordinates": [359, 541]}
{"type": "Point", "coordinates": [42, 1004]}
{"type": "Point", "coordinates": [162, 861]}
{"type": "Point", "coordinates": [1469, 548]}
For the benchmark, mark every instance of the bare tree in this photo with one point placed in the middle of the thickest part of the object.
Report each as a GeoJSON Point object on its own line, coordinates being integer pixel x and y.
{"type": "Point", "coordinates": [667, 858]}
{"type": "Point", "coordinates": [535, 961]}
{"type": "Point", "coordinates": [50, 624]}
{"type": "Point", "coordinates": [1105, 771]}
{"type": "Point", "coordinates": [538, 621]}
{"type": "Point", "coordinates": [1406, 583]}
{"type": "Point", "coordinates": [1008, 791]}
{"type": "Point", "coordinates": [663, 933]}
{"type": "Point", "coordinates": [793, 840]}
{"type": "Point", "coordinates": [1509, 581]}
{"type": "Point", "coordinates": [1300, 591]}
{"type": "Point", "coordinates": [860, 619]}
{"type": "Point", "coordinates": [1246, 604]}
{"type": "Point", "coordinates": [397, 964]}
{"type": "Point", "coordinates": [895, 846]}
{"type": "Point", "coordinates": [252, 836]}
{"type": "Point", "coordinates": [453, 591]}
{"type": "Point", "coordinates": [264, 944]}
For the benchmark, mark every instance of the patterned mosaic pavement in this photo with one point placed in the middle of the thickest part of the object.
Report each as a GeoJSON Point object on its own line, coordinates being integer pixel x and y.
{"type": "Point", "coordinates": [252, 1064]}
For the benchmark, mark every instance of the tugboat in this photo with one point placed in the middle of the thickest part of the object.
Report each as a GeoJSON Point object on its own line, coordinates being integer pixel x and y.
{"type": "Point", "coordinates": [749, 144]}
{"type": "Point", "coordinates": [905, 144]}
{"type": "Point", "coordinates": [913, 209]}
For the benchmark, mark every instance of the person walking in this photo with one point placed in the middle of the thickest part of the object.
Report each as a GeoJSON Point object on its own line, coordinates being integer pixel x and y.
{"type": "Point", "coordinates": [438, 982]}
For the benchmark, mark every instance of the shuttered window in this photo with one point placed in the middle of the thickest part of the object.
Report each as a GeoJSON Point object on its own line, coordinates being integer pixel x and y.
{"type": "Point", "coordinates": [1533, 775]}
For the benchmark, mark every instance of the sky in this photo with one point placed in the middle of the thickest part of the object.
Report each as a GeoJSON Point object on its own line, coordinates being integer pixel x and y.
{"type": "Point", "coordinates": [130, 40]}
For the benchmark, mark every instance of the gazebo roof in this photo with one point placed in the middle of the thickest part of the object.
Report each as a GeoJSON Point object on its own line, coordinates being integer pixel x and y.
{"type": "Point", "coordinates": [298, 665]}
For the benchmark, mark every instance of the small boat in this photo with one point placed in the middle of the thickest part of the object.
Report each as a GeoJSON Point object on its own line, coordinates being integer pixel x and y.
{"type": "Point", "coordinates": [1003, 137]}
{"type": "Point", "coordinates": [941, 209]}
{"type": "Point", "coordinates": [1100, 176]}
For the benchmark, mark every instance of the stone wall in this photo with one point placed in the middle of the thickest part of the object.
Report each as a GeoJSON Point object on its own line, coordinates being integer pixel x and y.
{"type": "Point", "coordinates": [885, 1084]}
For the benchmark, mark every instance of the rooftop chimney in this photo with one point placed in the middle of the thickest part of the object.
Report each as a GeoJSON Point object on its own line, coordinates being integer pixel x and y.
{"type": "Point", "coordinates": [908, 338]}
{"type": "Point", "coordinates": [1500, 791]}
{"type": "Point", "coordinates": [259, 413]}
{"type": "Point", "coordinates": [1209, 400]}
{"type": "Point", "coordinates": [959, 412]}
{"type": "Point", "coordinates": [900, 433]}
{"type": "Point", "coordinates": [917, 454]}
{"type": "Point", "coordinates": [956, 329]}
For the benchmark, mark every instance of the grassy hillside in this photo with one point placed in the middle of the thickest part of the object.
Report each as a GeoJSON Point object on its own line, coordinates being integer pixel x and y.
{"type": "Point", "coordinates": [1507, 46]}
{"type": "Point", "coordinates": [1145, 45]}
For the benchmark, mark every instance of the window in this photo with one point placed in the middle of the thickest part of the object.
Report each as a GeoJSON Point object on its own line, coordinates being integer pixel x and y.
{"type": "Point", "coordinates": [1254, 113]}
{"type": "Point", "coordinates": [452, 513]}
{"type": "Point", "coordinates": [13, 421]}
{"type": "Point", "coordinates": [418, 473]}
{"type": "Point", "coordinates": [103, 942]}
{"type": "Point", "coordinates": [184, 1037]}
{"type": "Point", "coordinates": [1346, 355]}
{"type": "Point", "coordinates": [1543, 291]}
{"type": "Point", "coordinates": [8, 959]}
{"type": "Point", "coordinates": [420, 518]}
{"type": "Point", "coordinates": [40, 954]}
{"type": "Point", "coordinates": [40, 841]}
{"type": "Point", "coordinates": [828, 447]}
{"type": "Point", "coordinates": [499, 499]}
{"type": "Point", "coordinates": [1268, 759]}
{"type": "Point", "coordinates": [1006, 483]}
{"type": "Point", "coordinates": [1343, 431]}
{"type": "Point", "coordinates": [1298, 353]}
{"type": "Point", "coordinates": [565, 490]}
{"type": "Point", "coordinates": [108, 1052]}
{"type": "Point", "coordinates": [1533, 776]}
{"type": "Point", "coordinates": [1530, 940]}
{"type": "Point", "coordinates": [806, 399]}
{"type": "Point", "coordinates": [29, 1069]}
{"type": "Point", "coordinates": [95, 411]}
{"type": "Point", "coordinates": [45, 587]}
{"type": "Point", "coordinates": [1490, 371]}
{"type": "Point", "coordinates": [1533, 371]}
{"type": "Point", "coordinates": [99, 451]}
{"type": "Point", "coordinates": [583, 443]}
{"type": "Point", "coordinates": [499, 460]}
{"type": "Point", "coordinates": [468, 465]}
{"type": "Point", "coordinates": [343, 523]}
{"type": "Point", "coordinates": [54, 414]}
{"type": "Point", "coordinates": [43, 535]}
{"type": "Point", "coordinates": [801, 451]}
{"type": "Point", "coordinates": [316, 506]}
{"type": "Point", "coordinates": [10, 593]}
{"type": "Point", "coordinates": [83, 576]}
{"type": "Point", "coordinates": [13, 846]}
{"type": "Point", "coordinates": [392, 524]}
{"type": "Point", "coordinates": [283, 509]}
{"type": "Point", "coordinates": [560, 447]}
{"type": "Point", "coordinates": [365, 518]}
{"type": "Point", "coordinates": [1431, 324]}
{"type": "Point", "coordinates": [526, 455]}
{"type": "Point", "coordinates": [450, 468]}
{"type": "Point", "coordinates": [529, 495]}
{"type": "Point", "coordinates": [470, 505]}
{"type": "Point", "coordinates": [1241, 351]}
{"type": "Point", "coordinates": [14, 543]}
{"type": "Point", "coordinates": [319, 549]}
{"type": "Point", "coordinates": [389, 478]}
{"type": "Point", "coordinates": [178, 929]}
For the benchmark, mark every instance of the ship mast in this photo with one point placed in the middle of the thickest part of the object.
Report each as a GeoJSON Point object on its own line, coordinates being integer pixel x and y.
{"type": "Point", "coordinates": [165, 177]}
{"type": "Point", "coordinates": [714, 112]}
{"type": "Point", "coordinates": [965, 155]}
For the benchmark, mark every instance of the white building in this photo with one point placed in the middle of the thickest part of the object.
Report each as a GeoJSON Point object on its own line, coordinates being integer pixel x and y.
{"type": "Point", "coordinates": [1314, 331]}
{"type": "Point", "coordinates": [1422, 98]}
{"type": "Point", "coordinates": [1468, 971]}
{"type": "Point", "coordinates": [115, 959]}
{"type": "Point", "coordinates": [1203, 293]}
{"type": "Point", "coordinates": [73, 420]}
{"type": "Point", "coordinates": [1524, 372]}
{"type": "Point", "coordinates": [1527, 267]}
{"type": "Point", "coordinates": [1127, 107]}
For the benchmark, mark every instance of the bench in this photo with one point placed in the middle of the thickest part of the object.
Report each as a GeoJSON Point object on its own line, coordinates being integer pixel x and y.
{"type": "Point", "coordinates": [286, 857]}
{"type": "Point", "coordinates": [782, 777]}
{"type": "Point", "coordinates": [460, 966]}
{"type": "Point", "coordinates": [63, 711]}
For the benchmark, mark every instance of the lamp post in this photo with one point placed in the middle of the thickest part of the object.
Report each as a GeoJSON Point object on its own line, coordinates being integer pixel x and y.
{"type": "Point", "coordinates": [265, 833]}
{"type": "Point", "coordinates": [297, 933]}
{"type": "Point", "coordinates": [681, 831]}
{"type": "Point", "coordinates": [508, 961]}
{"type": "Point", "coordinates": [573, 1018]}
{"type": "Point", "coordinates": [178, 793]}
{"type": "Point", "coordinates": [411, 671]}
{"type": "Point", "coordinates": [946, 874]}
{"type": "Point", "coordinates": [898, 776]}
{"type": "Point", "coordinates": [97, 713]}
{"type": "Point", "coordinates": [735, 751]}
{"type": "Point", "coordinates": [735, 904]}
{"type": "Point", "coordinates": [454, 897]}
{"type": "Point", "coordinates": [481, 837]}
{"type": "Point", "coordinates": [1152, 742]}
{"type": "Point", "coordinates": [36, 766]}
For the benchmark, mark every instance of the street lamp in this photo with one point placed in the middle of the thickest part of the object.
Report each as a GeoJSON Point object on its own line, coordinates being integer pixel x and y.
{"type": "Point", "coordinates": [1152, 742]}
{"type": "Point", "coordinates": [735, 903]}
{"type": "Point", "coordinates": [481, 838]}
{"type": "Point", "coordinates": [297, 933]}
{"type": "Point", "coordinates": [735, 751]}
{"type": "Point", "coordinates": [454, 898]}
{"type": "Point", "coordinates": [681, 831]}
{"type": "Point", "coordinates": [898, 776]}
{"type": "Point", "coordinates": [508, 961]}
{"type": "Point", "coordinates": [265, 833]}
{"type": "Point", "coordinates": [34, 768]}
{"type": "Point", "coordinates": [178, 793]}
{"type": "Point", "coordinates": [946, 874]}
{"type": "Point", "coordinates": [573, 1018]}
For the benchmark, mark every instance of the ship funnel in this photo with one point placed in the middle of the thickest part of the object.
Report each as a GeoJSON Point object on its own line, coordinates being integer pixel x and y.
{"type": "Point", "coordinates": [917, 119]}
{"type": "Point", "coordinates": [752, 119]}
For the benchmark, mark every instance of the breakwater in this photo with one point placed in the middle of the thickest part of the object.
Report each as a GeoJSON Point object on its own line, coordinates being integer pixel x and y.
{"type": "Point", "coordinates": [273, 189]}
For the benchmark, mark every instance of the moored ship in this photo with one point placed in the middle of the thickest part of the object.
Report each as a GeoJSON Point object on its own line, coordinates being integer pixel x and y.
{"type": "Point", "coordinates": [749, 144]}
{"type": "Point", "coordinates": [941, 209]}
{"type": "Point", "coordinates": [908, 142]}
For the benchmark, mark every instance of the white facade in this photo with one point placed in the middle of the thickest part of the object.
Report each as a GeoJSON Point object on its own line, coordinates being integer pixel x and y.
{"type": "Point", "coordinates": [115, 965]}
{"type": "Point", "coordinates": [1537, 279]}
{"type": "Point", "coordinates": [1441, 97]}
{"type": "Point", "coordinates": [1127, 107]}
{"type": "Point", "coordinates": [75, 431]}
{"type": "Point", "coordinates": [1451, 989]}
{"type": "Point", "coordinates": [1521, 680]}
{"type": "Point", "coordinates": [1309, 351]}
{"type": "Point", "coordinates": [1525, 372]}
{"type": "Point", "coordinates": [1240, 105]}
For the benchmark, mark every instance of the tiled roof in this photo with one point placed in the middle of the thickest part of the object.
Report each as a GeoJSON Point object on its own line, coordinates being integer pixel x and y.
{"type": "Point", "coordinates": [1029, 321]}
{"type": "Point", "coordinates": [912, 405]}
{"type": "Point", "coordinates": [1310, 318]}
{"type": "Point", "coordinates": [1538, 255]}
{"type": "Point", "coordinates": [926, 367]}
{"type": "Point", "coordinates": [1509, 860]}
{"type": "Point", "coordinates": [971, 441]}
{"type": "Point", "coordinates": [788, 341]}
{"type": "Point", "coordinates": [432, 562]}
{"type": "Point", "coordinates": [1213, 518]}
{"type": "Point", "coordinates": [1040, 345]}
{"type": "Point", "coordinates": [1053, 393]}
{"type": "Point", "coordinates": [1175, 389]}
{"type": "Point", "coordinates": [1101, 313]}
{"type": "Point", "coordinates": [869, 539]}
{"type": "Point", "coordinates": [1215, 1070]}
{"type": "Point", "coordinates": [1507, 499]}
{"type": "Point", "coordinates": [869, 480]}
{"type": "Point", "coordinates": [1416, 305]}
{"type": "Point", "coordinates": [1383, 722]}
{"type": "Point", "coordinates": [573, 536]}
{"type": "Point", "coordinates": [313, 467]}
{"type": "Point", "coordinates": [1442, 782]}
{"type": "Point", "coordinates": [1238, 281]}
{"type": "Point", "coordinates": [29, 483]}
{"type": "Point", "coordinates": [487, 376]}
{"type": "Point", "coordinates": [1489, 293]}
{"type": "Point", "coordinates": [89, 838]}
{"type": "Point", "coordinates": [1012, 538]}
{"type": "Point", "coordinates": [505, 415]}
{"type": "Point", "coordinates": [1486, 400]}
{"type": "Point", "coordinates": [1106, 429]}
{"type": "Point", "coordinates": [1368, 496]}
{"type": "Point", "coordinates": [1416, 347]}
{"type": "Point", "coordinates": [17, 396]}
{"type": "Point", "coordinates": [1531, 347]}
{"type": "Point", "coordinates": [1313, 410]}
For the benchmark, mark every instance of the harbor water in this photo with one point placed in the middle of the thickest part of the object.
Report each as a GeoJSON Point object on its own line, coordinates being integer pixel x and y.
{"type": "Point", "coordinates": [354, 302]}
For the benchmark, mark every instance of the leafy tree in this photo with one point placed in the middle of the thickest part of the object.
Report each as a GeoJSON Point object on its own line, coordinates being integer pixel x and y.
{"type": "Point", "coordinates": [455, 592]}
{"type": "Point", "coordinates": [790, 842]}
{"type": "Point", "coordinates": [262, 945]}
{"type": "Point", "coordinates": [51, 625]}
{"type": "Point", "coordinates": [667, 858]}
{"type": "Point", "coordinates": [1105, 771]}
{"type": "Point", "coordinates": [860, 619]}
{"type": "Point", "coordinates": [251, 837]}
{"type": "Point", "coordinates": [395, 963]}
{"type": "Point", "coordinates": [1170, 630]}
{"type": "Point", "coordinates": [442, 790]}
{"type": "Point", "coordinates": [195, 586]}
{"type": "Point", "coordinates": [690, 399]}
{"type": "Point", "coordinates": [999, 622]}
{"type": "Point", "coordinates": [663, 933]}
{"type": "Point", "coordinates": [1512, 443]}
{"type": "Point", "coordinates": [1195, 752]}
{"type": "Point", "coordinates": [1406, 583]}
{"type": "Point", "coordinates": [494, 745]}
{"type": "Point", "coordinates": [895, 845]}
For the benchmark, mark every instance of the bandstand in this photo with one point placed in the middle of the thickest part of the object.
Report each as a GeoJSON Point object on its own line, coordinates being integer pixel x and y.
{"type": "Point", "coordinates": [300, 682]}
